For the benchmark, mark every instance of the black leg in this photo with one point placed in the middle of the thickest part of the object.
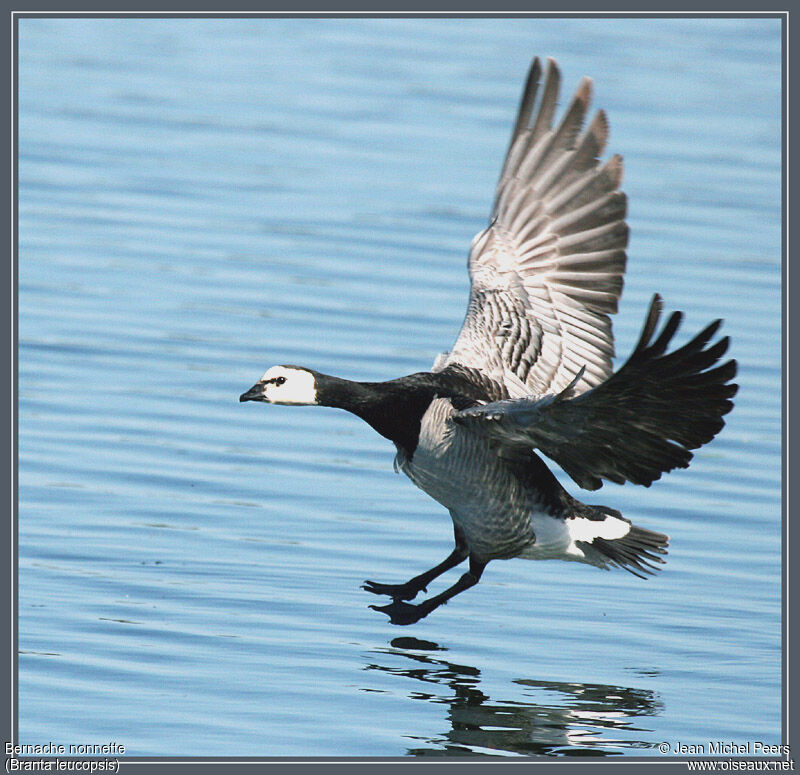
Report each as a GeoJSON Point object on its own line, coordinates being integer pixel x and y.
{"type": "Point", "coordinates": [407, 613]}
{"type": "Point", "coordinates": [409, 590]}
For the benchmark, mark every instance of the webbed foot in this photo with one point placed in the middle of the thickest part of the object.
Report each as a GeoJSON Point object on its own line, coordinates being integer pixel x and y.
{"type": "Point", "coordinates": [403, 613]}
{"type": "Point", "coordinates": [395, 591]}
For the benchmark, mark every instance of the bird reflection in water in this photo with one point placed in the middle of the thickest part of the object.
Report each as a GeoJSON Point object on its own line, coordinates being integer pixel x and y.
{"type": "Point", "coordinates": [560, 719]}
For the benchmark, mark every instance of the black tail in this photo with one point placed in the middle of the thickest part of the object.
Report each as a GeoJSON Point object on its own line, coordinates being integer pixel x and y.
{"type": "Point", "coordinates": [636, 552]}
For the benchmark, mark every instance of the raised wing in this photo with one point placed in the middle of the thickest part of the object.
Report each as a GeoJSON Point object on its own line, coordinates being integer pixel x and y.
{"type": "Point", "coordinates": [638, 424]}
{"type": "Point", "coordinates": [548, 270]}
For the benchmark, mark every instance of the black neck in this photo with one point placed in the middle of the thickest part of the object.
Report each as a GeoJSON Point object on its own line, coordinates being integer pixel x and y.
{"type": "Point", "coordinates": [394, 408]}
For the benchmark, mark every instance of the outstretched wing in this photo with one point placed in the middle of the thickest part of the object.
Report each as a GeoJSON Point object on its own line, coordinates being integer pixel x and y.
{"type": "Point", "coordinates": [638, 424]}
{"type": "Point", "coordinates": [547, 272]}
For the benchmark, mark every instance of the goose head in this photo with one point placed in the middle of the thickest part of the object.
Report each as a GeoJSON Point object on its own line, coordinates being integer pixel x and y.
{"type": "Point", "coordinates": [292, 385]}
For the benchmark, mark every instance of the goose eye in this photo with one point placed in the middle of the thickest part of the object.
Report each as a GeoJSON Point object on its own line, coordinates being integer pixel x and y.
{"type": "Point", "coordinates": [280, 380]}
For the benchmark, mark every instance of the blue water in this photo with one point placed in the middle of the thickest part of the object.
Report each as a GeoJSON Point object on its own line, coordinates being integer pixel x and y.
{"type": "Point", "coordinates": [200, 199]}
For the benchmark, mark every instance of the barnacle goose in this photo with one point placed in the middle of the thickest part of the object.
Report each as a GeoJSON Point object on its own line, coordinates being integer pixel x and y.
{"type": "Point", "coordinates": [531, 369]}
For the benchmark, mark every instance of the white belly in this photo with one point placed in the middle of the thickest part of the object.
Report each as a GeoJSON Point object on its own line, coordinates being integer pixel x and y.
{"type": "Point", "coordinates": [571, 538]}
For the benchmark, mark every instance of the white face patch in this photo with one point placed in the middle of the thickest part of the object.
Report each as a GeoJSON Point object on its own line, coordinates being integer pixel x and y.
{"type": "Point", "coordinates": [285, 385]}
